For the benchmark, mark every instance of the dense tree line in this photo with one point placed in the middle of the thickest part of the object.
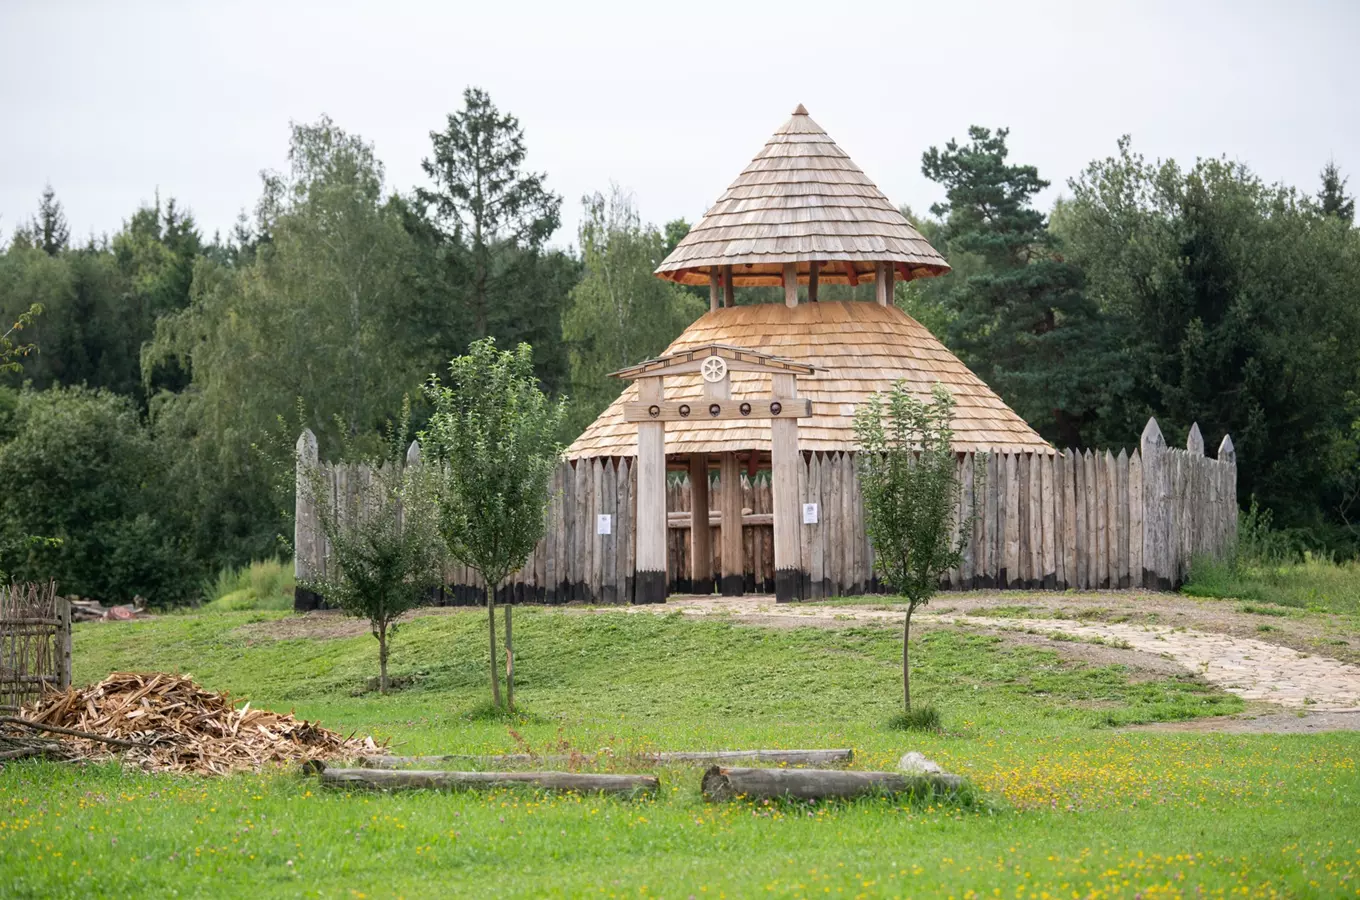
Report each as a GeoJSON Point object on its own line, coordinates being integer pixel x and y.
{"type": "Point", "coordinates": [148, 440]}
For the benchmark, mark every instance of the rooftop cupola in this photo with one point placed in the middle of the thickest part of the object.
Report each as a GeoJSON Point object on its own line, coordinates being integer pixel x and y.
{"type": "Point", "coordinates": [802, 213]}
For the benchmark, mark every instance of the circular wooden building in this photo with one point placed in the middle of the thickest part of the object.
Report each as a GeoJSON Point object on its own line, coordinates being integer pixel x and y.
{"type": "Point", "coordinates": [773, 385]}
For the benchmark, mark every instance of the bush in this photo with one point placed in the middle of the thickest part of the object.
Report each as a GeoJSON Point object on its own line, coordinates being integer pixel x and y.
{"type": "Point", "coordinates": [81, 470]}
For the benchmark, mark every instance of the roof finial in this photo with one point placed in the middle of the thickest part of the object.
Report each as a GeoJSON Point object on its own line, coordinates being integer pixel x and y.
{"type": "Point", "coordinates": [800, 111]}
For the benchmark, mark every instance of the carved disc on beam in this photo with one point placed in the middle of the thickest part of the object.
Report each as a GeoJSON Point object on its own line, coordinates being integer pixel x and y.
{"type": "Point", "coordinates": [752, 408]}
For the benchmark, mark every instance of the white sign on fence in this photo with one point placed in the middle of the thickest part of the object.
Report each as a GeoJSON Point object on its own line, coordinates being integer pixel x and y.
{"type": "Point", "coordinates": [604, 524]}
{"type": "Point", "coordinates": [809, 514]}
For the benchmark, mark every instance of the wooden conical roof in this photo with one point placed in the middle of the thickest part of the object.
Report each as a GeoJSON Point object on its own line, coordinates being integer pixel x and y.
{"type": "Point", "coordinates": [801, 200]}
{"type": "Point", "coordinates": [863, 348]}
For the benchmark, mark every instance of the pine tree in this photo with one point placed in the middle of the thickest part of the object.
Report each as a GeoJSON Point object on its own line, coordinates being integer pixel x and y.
{"type": "Point", "coordinates": [484, 201]}
{"type": "Point", "coordinates": [1333, 194]}
{"type": "Point", "coordinates": [50, 231]}
{"type": "Point", "coordinates": [1022, 323]}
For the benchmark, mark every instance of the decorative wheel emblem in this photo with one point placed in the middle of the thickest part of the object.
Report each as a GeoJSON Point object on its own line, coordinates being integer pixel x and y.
{"type": "Point", "coordinates": [776, 408]}
{"type": "Point", "coordinates": [745, 409]}
{"type": "Point", "coordinates": [714, 409]}
{"type": "Point", "coordinates": [714, 369]}
{"type": "Point", "coordinates": [684, 410]}
{"type": "Point", "coordinates": [653, 410]}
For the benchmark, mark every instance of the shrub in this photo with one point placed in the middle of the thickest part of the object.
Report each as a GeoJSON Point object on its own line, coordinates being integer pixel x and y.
{"type": "Point", "coordinates": [82, 500]}
{"type": "Point", "coordinates": [384, 542]}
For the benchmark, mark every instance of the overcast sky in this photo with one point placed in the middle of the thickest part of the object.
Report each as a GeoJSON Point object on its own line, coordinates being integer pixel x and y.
{"type": "Point", "coordinates": [111, 102]}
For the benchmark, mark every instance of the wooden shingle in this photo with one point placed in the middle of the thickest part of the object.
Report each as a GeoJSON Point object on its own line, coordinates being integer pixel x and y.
{"type": "Point", "coordinates": [863, 348]}
{"type": "Point", "coordinates": [801, 200]}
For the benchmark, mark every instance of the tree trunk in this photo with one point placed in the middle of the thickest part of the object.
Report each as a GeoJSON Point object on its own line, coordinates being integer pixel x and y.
{"type": "Point", "coordinates": [585, 782]}
{"type": "Point", "coordinates": [382, 658]}
{"type": "Point", "coordinates": [906, 658]}
{"type": "Point", "coordinates": [495, 673]}
{"type": "Point", "coordinates": [724, 783]}
{"type": "Point", "coordinates": [509, 660]}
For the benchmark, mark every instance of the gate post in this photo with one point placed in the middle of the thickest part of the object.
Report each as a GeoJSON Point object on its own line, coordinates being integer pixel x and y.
{"type": "Point", "coordinates": [651, 509]}
{"type": "Point", "coordinates": [788, 574]}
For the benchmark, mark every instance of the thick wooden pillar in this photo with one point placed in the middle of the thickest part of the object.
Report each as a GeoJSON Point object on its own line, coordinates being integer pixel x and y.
{"type": "Point", "coordinates": [713, 288]}
{"type": "Point", "coordinates": [881, 283]}
{"type": "Point", "coordinates": [790, 284]}
{"type": "Point", "coordinates": [729, 291]}
{"type": "Point", "coordinates": [788, 566]}
{"type": "Point", "coordinates": [814, 270]}
{"type": "Point", "coordinates": [650, 582]}
{"type": "Point", "coordinates": [701, 551]}
{"type": "Point", "coordinates": [732, 582]}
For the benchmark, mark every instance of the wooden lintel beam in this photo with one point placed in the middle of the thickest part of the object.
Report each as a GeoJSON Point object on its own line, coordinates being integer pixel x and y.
{"type": "Point", "coordinates": [700, 410]}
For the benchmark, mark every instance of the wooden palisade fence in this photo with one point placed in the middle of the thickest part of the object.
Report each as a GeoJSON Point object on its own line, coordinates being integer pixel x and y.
{"type": "Point", "coordinates": [35, 643]}
{"type": "Point", "coordinates": [1056, 520]}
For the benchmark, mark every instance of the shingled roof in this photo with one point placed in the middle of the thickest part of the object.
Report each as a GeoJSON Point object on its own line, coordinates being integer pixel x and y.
{"type": "Point", "coordinates": [801, 200]}
{"type": "Point", "coordinates": [863, 348]}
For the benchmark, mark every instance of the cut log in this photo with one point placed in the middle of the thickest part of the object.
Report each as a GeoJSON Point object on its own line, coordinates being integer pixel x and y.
{"type": "Point", "coordinates": [701, 757]}
{"type": "Point", "coordinates": [721, 784]}
{"type": "Point", "coordinates": [784, 757]}
{"type": "Point", "coordinates": [410, 779]}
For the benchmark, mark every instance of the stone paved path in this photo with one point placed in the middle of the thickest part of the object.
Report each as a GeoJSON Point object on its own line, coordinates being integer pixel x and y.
{"type": "Point", "coordinates": [1253, 669]}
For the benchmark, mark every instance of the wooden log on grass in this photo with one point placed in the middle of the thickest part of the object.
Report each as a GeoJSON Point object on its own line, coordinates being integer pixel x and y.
{"type": "Point", "coordinates": [704, 757]}
{"type": "Point", "coordinates": [723, 783]}
{"type": "Point", "coordinates": [414, 779]}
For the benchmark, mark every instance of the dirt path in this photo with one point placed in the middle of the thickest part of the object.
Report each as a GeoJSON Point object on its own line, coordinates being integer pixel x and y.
{"type": "Point", "coordinates": [1252, 668]}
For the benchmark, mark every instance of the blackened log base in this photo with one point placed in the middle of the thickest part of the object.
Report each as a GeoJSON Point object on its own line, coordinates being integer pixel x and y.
{"type": "Point", "coordinates": [788, 585]}
{"type": "Point", "coordinates": [650, 587]}
{"type": "Point", "coordinates": [306, 601]}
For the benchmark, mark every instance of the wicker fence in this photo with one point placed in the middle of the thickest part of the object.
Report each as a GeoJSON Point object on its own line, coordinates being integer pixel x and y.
{"type": "Point", "coordinates": [1040, 520]}
{"type": "Point", "coordinates": [35, 643]}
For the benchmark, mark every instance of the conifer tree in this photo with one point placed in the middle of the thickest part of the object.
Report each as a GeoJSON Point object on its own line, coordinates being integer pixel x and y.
{"type": "Point", "coordinates": [1333, 196]}
{"type": "Point", "coordinates": [1023, 323]}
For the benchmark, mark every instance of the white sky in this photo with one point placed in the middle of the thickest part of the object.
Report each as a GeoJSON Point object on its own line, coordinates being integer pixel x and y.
{"type": "Point", "coordinates": [112, 101]}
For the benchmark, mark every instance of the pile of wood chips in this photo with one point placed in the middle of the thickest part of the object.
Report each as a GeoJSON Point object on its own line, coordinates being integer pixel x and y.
{"type": "Point", "coordinates": [181, 727]}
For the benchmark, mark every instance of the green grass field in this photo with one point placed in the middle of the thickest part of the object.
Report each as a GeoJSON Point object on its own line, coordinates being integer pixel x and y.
{"type": "Point", "coordinates": [1071, 805]}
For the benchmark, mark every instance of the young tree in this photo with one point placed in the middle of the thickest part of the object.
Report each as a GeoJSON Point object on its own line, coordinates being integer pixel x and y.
{"type": "Point", "coordinates": [909, 477]}
{"type": "Point", "coordinates": [384, 539]}
{"type": "Point", "coordinates": [493, 435]}
{"type": "Point", "coordinates": [483, 200]}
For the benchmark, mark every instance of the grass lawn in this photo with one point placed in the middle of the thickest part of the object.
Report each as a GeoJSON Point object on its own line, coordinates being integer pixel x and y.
{"type": "Point", "coordinates": [1313, 584]}
{"type": "Point", "coordinates": [1071, 806]}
